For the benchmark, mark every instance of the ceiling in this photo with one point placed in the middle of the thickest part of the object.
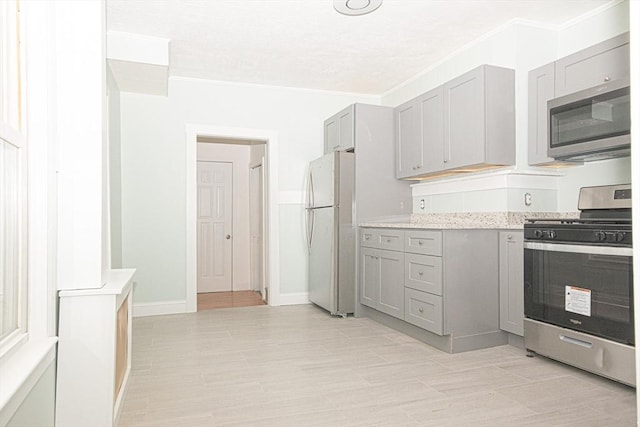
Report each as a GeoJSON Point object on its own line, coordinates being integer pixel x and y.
{"type": "Point", "coordinates": [307, 44]}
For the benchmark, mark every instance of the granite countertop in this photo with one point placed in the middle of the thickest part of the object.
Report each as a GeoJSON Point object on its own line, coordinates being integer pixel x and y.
{"type": "Point", "coordinates": [469, 220]}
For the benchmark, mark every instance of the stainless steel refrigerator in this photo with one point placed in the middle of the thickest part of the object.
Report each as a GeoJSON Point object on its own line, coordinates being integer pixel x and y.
{"type": "Point", "coordinates": [330, 232]}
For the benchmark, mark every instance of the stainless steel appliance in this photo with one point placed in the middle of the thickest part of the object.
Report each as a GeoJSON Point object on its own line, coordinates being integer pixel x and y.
{"type": "Point", "coordinates": [592, 124]}
{"type": "Point", "coordinates": [330, 232]}
{"type": "Point", "coordinates": [579, 285]}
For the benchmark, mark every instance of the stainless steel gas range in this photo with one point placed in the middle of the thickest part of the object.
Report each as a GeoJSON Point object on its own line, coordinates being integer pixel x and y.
{"type": "Point", "coordinates": [579, 285]}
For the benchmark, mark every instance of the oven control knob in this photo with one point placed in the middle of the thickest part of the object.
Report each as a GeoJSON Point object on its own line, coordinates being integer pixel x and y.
{"type": "Point", "coordinates": [601, 236]}
{"type": "Point", "coordinates": [618, 236]}
{"type": "Point", "coordinates": [538, 234]}
{"type": "Point", "coordinates": [552, 234]}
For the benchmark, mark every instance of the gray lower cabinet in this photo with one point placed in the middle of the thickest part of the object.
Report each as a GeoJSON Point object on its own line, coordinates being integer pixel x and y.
{"type": "Point", "coordinates": [449, 279]}
{"type": "Point", "coordinates": [382, 272]}
{"type": "Point", "coordinates": [512, 282]}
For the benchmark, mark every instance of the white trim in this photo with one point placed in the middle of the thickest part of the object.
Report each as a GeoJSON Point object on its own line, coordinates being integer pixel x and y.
{"type": "Point", "coordinates": [139, 48]}
{"type": "Point", "coordinates": [143, 309]}
{"type": "Point", "coordinates": [488, 181]}
{"type": "Point", "coordinates": [295, 298]}
{"type": "Point", "coordinates": [21, 372]}
{"type": "Point", "coordinates": [590, 14]}
{"type": "Point", "coordinates": [272, 236]}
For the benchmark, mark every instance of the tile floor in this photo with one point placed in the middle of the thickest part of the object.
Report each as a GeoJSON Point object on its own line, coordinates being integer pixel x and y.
{"type": "Point", "coordinates": [297, 366]}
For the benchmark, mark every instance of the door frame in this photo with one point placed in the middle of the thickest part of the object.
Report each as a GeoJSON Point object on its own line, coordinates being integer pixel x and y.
{"type": "Point", "coordinates": [271, 238]}
{"type": "Point", "coordinates": [252, 169]}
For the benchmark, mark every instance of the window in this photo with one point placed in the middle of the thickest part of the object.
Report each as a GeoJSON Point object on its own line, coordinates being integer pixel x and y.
{"type": "Point", "coordinates": [13, 200]}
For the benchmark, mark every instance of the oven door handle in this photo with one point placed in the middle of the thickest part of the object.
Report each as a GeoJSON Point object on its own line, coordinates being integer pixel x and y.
{"type": "Point", "coordinates": [579, 249]}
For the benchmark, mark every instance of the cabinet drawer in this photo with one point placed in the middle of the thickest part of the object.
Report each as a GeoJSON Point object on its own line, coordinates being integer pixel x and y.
{"type": "Point", "coordinates": [369, 237]}
{"type": "Point", "coordinates": [424, 310]}
{"type": "Point", "coordinates": [424, 242]}
{"type": "Point", "coordinates": [382, 238]}
{"type": "Point", "coordinates": [390, 239]}
{"type": "Point", "coordinates": [423, 273]}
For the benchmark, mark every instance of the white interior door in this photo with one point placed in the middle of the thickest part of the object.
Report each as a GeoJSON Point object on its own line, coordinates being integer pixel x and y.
{"type": "Point", "coordinates": [256, 231]}
{"type": "Point", "coordinates": [215, 197]}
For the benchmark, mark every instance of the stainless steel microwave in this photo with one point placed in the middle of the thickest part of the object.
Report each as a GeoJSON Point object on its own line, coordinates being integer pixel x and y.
{"type": "Point", "coordinates": [593, 124]}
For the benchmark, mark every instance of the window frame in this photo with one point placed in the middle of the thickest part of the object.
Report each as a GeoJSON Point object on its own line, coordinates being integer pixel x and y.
{"type": "Point", "coordinates": [14, 97]}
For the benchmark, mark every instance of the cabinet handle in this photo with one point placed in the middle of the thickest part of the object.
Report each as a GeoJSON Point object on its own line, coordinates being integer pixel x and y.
{"type": "Point", "coordinates": [421, 310]}
{"type": "Point", "coordinates": [413, 168]}
{"type": "Point", "coordinates": [388, 240]}
{"type": "Point", "coordinates": [420, 243]}
{"type": "Point", "coordinates": [367, 237]}
{"type": "Point", "coordinates": [420, 273]}
{"type": "Point", "coordinates": [509, 236]}
{"type": "Point", "coordinates": [607, 78]}
{"type": "Point", "coordinates": [419, 167]}
{"type": "Point", "coordinates": [336, 146]}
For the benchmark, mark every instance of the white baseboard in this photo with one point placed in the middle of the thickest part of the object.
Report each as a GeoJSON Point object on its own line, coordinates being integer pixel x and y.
{"type": "Point", "coordinates": [294, 298]}
{"type": "Point", "coordinates": [159, 308]}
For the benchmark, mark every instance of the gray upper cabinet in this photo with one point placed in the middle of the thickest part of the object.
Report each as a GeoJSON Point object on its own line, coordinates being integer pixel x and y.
{"type": "Point", "coordinates": [419, 135]}
{"type": "Point", "coordinates": [587, 68]}
{"type": "Point", "coordinates": [479, 119]}
{"type": "Point", "coordinates": [408, 139]}
{"type": "Point", "coordinates": [512, 282]}
{"type": "Point", "coordinates": [541, 89]}
{"type": "Point", "coordinates": [603, 62]}
{"type": "Point", "coordinates": [339, 131]}
{"type": "Point", "coordinates": [467, 122]}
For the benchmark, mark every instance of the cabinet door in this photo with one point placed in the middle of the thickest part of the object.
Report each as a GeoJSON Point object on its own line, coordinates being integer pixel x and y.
{"type": "Point", "coordinates": [331, 135]}
{"type": "Point", "coordinates": [408, 145]}
{"type": "Point", "coordinates": [595, 65]}
{"type": "Point", "coordinates": [369, 276]}
{"type": "Point", "coordinates": [431, 154]}
{"type": "Point", "coordinates": [391, 286]}
{"type": "Point", "coordinates": [512, 282]}
{"type": "Point", "coordinates": [347, 137]}
{"type": "Point", "coordinates": [541, 90]}
{"type": "Point", "coordinates": [464, 112]}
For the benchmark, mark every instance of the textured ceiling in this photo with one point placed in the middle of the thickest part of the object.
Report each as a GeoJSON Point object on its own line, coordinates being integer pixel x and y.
{"type": "Point", "coordinates": [307, 44]}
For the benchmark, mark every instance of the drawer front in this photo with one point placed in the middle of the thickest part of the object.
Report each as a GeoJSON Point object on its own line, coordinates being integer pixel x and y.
{"type": "Point", "coordinates": [423, 310]}
{"type": "Point", "coordinates": [390, 239]}
{"type": "Point", "coordinates": [423, 273]}
{"type": "Point", "coordinates": [424, 242]}
{"type": "Point", "coordinates": [369, 237]}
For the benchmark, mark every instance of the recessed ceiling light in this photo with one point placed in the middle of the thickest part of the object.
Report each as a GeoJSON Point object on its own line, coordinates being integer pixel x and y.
{"type": "Point", "coordinates": [356, 7]}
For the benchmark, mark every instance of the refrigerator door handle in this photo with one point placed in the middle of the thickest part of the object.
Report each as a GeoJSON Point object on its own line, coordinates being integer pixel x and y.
{"type": "Point", "coordinates": [312, 216]}
{"type": "Point", "coordinates": [307, 224]}
{"type": "Point", "coordinates": [311, 195]}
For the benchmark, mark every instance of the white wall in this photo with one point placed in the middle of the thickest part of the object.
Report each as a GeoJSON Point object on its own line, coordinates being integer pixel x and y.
{"type": "Point", "coordinates": [524, 46]}
{"type": "Point", "coordinates": [239, 157]}
{"type": "Point", "coordinates": [153, 171]}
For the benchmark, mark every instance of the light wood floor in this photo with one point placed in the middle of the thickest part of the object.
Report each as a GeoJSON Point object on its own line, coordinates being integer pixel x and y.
{"type": "Point", "coordinates": [298, 366]}
{"type": "Point", "coordinates": [211, 300]}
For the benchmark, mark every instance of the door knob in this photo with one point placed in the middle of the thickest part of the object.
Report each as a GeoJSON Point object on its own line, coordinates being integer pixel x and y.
{"type": "Point", "coordinates": [228, 236]}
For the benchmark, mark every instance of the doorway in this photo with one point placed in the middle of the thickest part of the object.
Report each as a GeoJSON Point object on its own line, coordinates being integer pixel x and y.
{"type": "Point", "coordinates": [230, 223]}
{"type": "Point", "coordinates": [269, 139]}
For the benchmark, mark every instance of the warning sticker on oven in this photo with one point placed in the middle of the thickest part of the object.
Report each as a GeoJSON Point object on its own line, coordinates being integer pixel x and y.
{"type": "Point", "coordinates": [577, 300]}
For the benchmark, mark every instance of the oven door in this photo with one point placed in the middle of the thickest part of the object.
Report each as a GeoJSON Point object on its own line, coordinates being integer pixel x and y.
{"type": "Point", "coordinates": [585, 288]}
